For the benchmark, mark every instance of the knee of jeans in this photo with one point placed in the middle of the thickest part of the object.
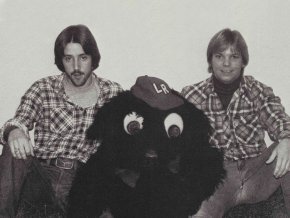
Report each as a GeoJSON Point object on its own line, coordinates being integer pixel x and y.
{"type": "Point", "coordinates": [203, 215]}
{"type": "Point", "coordinates": [211, 209]}
{"type": "Point", "coordinates": [285, 184]}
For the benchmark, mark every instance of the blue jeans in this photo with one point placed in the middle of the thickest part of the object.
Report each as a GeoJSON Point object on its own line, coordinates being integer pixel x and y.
{"type": "Point", "coordinates": [33, 182]}
{"type": "Point", "coordinates": [247, 181]}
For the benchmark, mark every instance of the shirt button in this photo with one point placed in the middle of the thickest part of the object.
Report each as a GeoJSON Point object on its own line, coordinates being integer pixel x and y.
{"type": "Point", "coordinates": [236, 123]}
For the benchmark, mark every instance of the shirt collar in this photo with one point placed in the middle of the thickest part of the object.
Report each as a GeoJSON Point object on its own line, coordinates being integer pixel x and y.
{"type": "Point", "coordinates": [59, 82]}
{"type": "Point", "coordinates": [209, 87]}
{"type": "Point", "coordinates": [244, 86]}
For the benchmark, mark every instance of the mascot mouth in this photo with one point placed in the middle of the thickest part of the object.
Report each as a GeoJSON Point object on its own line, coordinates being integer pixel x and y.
{"type": "Point", "coordinates": [151, 162]}
{"type": "Point", "coordinates": [129, 177]}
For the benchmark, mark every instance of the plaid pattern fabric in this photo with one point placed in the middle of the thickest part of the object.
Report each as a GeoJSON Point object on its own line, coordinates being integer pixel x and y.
{"type": "Point", "coordinates": [240, 130]}
{"type": "Point", "coordinates": [59, 124]}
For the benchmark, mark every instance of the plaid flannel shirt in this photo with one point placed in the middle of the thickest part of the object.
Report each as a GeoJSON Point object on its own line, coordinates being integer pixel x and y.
{"type": "Point", "coordinates": [59, 124]}
{"type": "Point", "coordinates": [240, 129]}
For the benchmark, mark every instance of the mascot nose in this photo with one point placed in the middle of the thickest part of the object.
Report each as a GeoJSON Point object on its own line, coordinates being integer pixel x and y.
{"type": "Point", "coordinates": [150, 160]}
{"type": "Point", "coordinates": [151, 154]}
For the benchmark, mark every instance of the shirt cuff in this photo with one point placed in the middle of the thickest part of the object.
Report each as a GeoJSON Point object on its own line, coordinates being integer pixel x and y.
{"type": "Point", "coordinates": [8, 127]}
{"type": "Point", "coordinates": [283, 135]}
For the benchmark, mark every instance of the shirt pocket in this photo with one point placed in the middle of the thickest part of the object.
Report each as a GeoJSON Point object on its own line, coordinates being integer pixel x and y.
{"type": "Point", "coordinates": [62, 120]}
{"type": "Point", "coordinates": [247, 129]}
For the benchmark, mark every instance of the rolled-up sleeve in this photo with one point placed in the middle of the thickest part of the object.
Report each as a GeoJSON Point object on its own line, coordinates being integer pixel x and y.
{"type": "Point", "coordinates": [26, 114]}
{"type": "Point", "coordinates": [273, 116]}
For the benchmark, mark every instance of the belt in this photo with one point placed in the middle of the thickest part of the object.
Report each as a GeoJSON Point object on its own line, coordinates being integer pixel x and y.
{"type": "Point", "coordinates": [60, 162]}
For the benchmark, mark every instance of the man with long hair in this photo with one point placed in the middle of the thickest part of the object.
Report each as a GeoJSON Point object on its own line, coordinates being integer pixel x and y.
{"type": "Point", "coordinates": [59, 108]}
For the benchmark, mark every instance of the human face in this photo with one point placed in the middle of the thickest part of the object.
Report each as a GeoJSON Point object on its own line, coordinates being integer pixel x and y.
{"type": "Point", "coordinates": [227, 65]}
{"type": "Point", "coordinates": [77, 64]}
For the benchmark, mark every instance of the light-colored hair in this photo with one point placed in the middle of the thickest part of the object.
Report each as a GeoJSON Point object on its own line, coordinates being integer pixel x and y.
{"type": "Point", "coordinates": [224, 39]}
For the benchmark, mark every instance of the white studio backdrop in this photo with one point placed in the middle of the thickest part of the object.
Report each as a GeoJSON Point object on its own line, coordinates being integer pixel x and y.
{"type": "Point", "coordinates": [162, 38]}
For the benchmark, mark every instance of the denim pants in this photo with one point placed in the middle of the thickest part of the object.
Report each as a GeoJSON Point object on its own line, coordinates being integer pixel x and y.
{"type": "Point", "coordinates": [21, 179]}
{"type": "Point", "coordinates": [247, 181]}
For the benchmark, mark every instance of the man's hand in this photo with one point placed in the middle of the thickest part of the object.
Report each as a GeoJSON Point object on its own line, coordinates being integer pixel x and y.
{"type": "Point", "coordinates": [20, 144]}
{"type": "Point", "coordinates": [282, 152]}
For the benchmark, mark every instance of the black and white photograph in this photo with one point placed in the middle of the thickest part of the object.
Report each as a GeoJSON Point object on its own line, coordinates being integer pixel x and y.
{"type": "Point", "coordinates": [144, 109]}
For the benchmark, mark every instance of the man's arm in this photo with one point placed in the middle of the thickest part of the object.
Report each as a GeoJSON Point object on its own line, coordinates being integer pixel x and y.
{"type": "Point", "coordinates": [282, 153]}
{"type": "Point", "coordinates": [15, 131]}
{"type": "Point", "coordinates": [277, 123]}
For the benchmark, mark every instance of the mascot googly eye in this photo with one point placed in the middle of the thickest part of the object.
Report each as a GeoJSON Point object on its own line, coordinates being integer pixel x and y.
{"type": "Point", "coordinates": [133, 123]}
{"type": "Point", "coordinates": [154, 160]}
{"type": "Point", "coordinates": [173, 124]}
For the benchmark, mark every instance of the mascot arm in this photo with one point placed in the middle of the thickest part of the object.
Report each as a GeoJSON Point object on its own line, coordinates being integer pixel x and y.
{"type": "Point", "coordinates": [83, 200]}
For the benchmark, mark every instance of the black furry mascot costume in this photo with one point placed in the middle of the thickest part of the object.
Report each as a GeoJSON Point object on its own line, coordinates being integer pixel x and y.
{"type": "Point", "coordinates": [154, 158]}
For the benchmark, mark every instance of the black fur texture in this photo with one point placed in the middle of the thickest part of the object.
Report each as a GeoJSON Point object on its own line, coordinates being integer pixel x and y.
{"type": "Point", "coordinates": [146, 173]}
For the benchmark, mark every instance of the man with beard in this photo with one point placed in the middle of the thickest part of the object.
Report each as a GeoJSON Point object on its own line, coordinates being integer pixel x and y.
{"type": "Point", "coordinates": [59, 108]}
{"type": "Point", "coordinates": [240, 110]}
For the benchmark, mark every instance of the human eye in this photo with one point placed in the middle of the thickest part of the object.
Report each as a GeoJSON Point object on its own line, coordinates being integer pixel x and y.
{"type": "Point", "coordinates": [218, 56]}
{"type": "Point", "coordinates": [84, 57]}
{"type": "Point", "coordinates": [67, 58]}
{"type": "Point", "coordinates": [236, 56]}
